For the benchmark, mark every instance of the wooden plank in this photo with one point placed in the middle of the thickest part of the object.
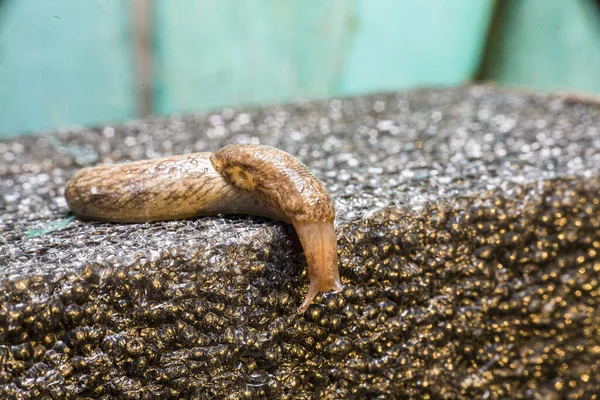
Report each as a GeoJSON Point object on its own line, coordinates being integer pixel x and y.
{"type": "Point", "coordinates": [227, 52]}
{"type": "Point", "coordinates": [406, 43]}
{"type": "Point", "coordinates": [213, 53]}
{"type": "Point", "coordinates": [63, 63]}
{"type": "Point", "coordinates": [546, 44]}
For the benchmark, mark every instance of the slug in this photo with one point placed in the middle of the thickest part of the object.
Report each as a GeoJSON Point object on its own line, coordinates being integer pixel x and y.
{"type": "Point", "coordinates": [238, 179]}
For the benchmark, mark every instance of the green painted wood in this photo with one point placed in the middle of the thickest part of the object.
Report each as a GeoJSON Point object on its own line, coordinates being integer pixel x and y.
{"type": "Point", "coordinates": [70, 62]}
{"type": "Point", "coordinates": [400, 44]}
{"type": "Point", "coordinates": [546, 44]}
{"type": "Point", "coordinates": [213, 53]}
{"type": "Point", "coordinates": [64, 62]}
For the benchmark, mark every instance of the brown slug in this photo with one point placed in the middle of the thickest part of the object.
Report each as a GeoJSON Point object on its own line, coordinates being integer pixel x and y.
{"type": "Point", "coordinates": [238, 179]}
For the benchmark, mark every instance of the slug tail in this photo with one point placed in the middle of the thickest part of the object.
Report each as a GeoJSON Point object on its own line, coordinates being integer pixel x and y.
{"type": "Point", "coordinates": [319, 242]}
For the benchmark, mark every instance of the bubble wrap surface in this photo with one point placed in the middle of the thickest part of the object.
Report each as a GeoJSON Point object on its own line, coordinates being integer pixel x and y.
{"type": "Point", "coordinates": [468, 228]}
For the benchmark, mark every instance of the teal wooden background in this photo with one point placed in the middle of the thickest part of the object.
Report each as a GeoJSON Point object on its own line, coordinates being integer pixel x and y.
{"type": "Point", "coordinates": [72, 62]}
{"type": "Point", "coordinates": [548, 45]}
{"type": "Point", "coordinates": [216, 53]}
{"type": "Point", "coordinates": [64, 62]}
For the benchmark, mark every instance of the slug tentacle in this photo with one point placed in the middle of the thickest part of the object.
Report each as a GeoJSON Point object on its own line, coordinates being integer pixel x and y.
{"type": "Point", "coordinates": [247, 179]}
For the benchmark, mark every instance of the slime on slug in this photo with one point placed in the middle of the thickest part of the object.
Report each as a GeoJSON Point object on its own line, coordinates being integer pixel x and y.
{"type": "Point", "coordinates": [238, 179]}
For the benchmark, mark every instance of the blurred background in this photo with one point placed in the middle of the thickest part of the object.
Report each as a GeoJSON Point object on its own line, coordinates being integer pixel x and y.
{"type": "Point", "coordinates": [68, 63]}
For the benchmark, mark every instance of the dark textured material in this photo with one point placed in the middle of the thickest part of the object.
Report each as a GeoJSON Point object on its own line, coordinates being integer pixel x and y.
{"type": "Point", "coordinates": [469, 230]}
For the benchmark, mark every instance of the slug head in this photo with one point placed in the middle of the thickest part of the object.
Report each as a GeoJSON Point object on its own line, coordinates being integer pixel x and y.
{"type": "Point", "coordinates": [284, 183]}
{"type": "Point", "coordinates": [277, 178]}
